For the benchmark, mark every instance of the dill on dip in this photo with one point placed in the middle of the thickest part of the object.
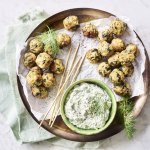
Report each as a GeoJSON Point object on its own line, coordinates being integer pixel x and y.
{"type": "Point", "coordinates": [126, 117]}
{"type": "Point", "coordinates": [49, 39]}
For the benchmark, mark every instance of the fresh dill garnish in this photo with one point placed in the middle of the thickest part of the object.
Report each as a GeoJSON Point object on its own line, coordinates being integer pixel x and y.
{"type": "Point", "coordinates": [125, 109]}
{"type": "Point", "coordinates": [49, 39]}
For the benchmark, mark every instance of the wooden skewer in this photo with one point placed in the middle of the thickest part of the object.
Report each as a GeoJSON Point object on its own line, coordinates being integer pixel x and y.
{"type": "Point", "coordinates": [74, 57]}
{"type": "Point", "coordinates": [66, 65]}
{"type": "Point", "coordinates": [78, 69]}
{"type": "Point", "coordinates": [62, 78]}
{"type": "Point", "coordinates": [59, 91]}
{"type": "Point", "coordinates": [55, 117]}
{"type": "Point", "coordinates": [68, 76]}
{"type": "Point", "coordinates": [74, 77]}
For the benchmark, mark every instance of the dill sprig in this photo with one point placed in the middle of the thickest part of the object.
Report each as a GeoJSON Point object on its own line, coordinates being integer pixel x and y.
{"type": "Point", "coordinates": [49, 39]}
{"type": "Point", "coordinates": [125, 112]}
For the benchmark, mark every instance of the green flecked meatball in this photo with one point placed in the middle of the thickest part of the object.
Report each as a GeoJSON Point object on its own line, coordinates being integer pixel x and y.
{"type": "Point", "coordinates": [118, 27]}
{"type": "Point", "coordinates": [36, 46]}
{"type": "Point", "coordinates": [57, 66]}
{"type": "Point", "coordinates": [117, 77]}
{"type": "Point", "coordinates": [48, 80]}
{"type": "Point", "coordinates": [43, 60]}
{"type": "Point", "coordinates": [48, 49]}
{"type": "Point", "coordinates": [34, 78]}
{"type": "Point", "coordinates": [106, 35]}
{"type": "Point", "coordinates": [93, 56]}
{"type": "Point", "coordinates": [71, 23]}
{"type": "Point", "coordinates": [123, 89]}
{"type": "Point", "coordinates": [126, 58]}
{"type": "Point", "coordinates": [39, 92]}
{"type": "Point", "coordinates": [132, 48]}
{"type": "Point", "coordinates": [29, 59]}
{"type": "Point", "coordinates": [114, 60]}
{"type": "Point", "coordinates": [117, 45]}
{"type": "Point", "coordinates": [104, 50]}
{"type": "Point", "coordinates": [63, 40]}
{"type": "Point", "coordinates": [36, 69]}
{"type": "Point", "coordinates": [104, 69]}
{"type": "Point", "coordinates": [90, 30]}
{"type": "Point", "coordinates": [127, 69]}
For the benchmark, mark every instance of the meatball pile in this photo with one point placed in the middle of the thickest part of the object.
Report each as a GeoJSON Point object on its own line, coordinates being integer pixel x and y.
{"type": "Point", "coordinates": [115, 56]}
{"type": "Point", "coordinates": [42, 67]}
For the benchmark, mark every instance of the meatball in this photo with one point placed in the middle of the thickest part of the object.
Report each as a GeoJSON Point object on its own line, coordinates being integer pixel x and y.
{"type": "Point", "coordinates": [104, 50]}
{"type": "Point", "coordinates": [43, 60]}
{"type": "Point", "coordinates": [132, 48]}
{"type": "Point", "coordinates": [48, 49]}
{"type": "Point", "coordinates": [29, 59]}
{"type": "Point", "coordinates": [57, 66]}
{"type": "Point", "coordinates": [127, 69]}
{"type": "Point", "coordinates": [117, 45]}
{"type": "Point", "coordinates": [118, 27]}
{"type": "Point", "coordinates": [93, 56]}
{"type": "Point", "coordinates": [39, 92]}
{"type": "Point", "coordinates": [34, 78]}
{"type": "Point", "coordinates": [48, 80]}
{"type": "Point", "coordinates": [104, 69]}
{"type": "Point", "coordinates": [36, 46]}
{"type": "Point", "coordinates": [114, 60]}
{"type": "Point", "coordinates": [63, 40]}
{"type": "Point", "coordinates": [126, 58]}
{"type": "Point", "coordinates": [117, 77]}
{"type": "Point", "coordinates": [90, 30]}
{"type": "Point", "coordinates": [36, 69]}
{"type": "Point", "coordinates": [123, 89]}
{"type": "Point", "coordinates": [106, 35]}
{"type": "Point", "coordinates": [71, 23]}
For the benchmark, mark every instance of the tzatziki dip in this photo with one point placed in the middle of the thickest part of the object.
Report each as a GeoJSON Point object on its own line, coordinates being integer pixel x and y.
{"type": "Point", "coordinates": [88, 106]}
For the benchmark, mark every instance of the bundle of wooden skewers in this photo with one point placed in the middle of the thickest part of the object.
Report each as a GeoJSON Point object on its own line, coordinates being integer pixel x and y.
{"type": "Point", "coordinates": [67, 78]}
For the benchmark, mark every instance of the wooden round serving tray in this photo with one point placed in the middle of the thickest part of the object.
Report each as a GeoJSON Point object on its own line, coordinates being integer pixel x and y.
{"type": "Point", "coordinates": [59, 128]}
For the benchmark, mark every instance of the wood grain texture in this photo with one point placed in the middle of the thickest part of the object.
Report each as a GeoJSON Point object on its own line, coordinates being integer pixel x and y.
{"type": "Point", "coordinates": [59, 128]}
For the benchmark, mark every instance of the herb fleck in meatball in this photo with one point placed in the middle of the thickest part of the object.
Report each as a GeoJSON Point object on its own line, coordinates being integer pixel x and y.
{"type": "Point", "coordinates": [114, 60]}
{"type": "Point", "coordinates": [104, 69]}
{"type": "Point", "coordinates": [104, 50]}
{"type": "Point", "coordinates": [39, 92]}
{"type": "Point", "coordinates": [48, 80]}
{"type": "Point", "coordinates": [90, 30]}
{"type": "Point", "coordinates": [57, 66]}
{"type": "Point", "coordinates": [126, 58]}
{"type": "Point", "coordinates": [29, 59]}
{"type": "Point", "coordinates": [127, 69]}
{"type": "Point", "coordinates": [43, 60]}
{"type": "Point", "coordinates": [36, 69]}
{"type": "Point", "coordinates": [63, 40]}
{"type": "Point", "coordinates": [34, 78]}
{"type": "Point", "coordinates": [106, 35]}
{"type": "Point", "coordinates": [123, 89]}
{"type": "Point", "coordinates": [118, 27]}
{"type": "Point", "coordinates": [93, 56]}
{"type": "Point", "coordinates": [132, 48]}
{"type": "Point", "coordinates": [36, 46]}
{"type": "Point", "coordinates": [117, 77]}
{"type": "Point", "coordinates": [71, 23]}
{"type": "Point", "coordinates": [117, 45]}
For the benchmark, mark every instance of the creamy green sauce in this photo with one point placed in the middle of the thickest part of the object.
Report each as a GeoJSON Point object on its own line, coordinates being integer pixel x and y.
{"type": "Point", "coordinates": [88, 106]}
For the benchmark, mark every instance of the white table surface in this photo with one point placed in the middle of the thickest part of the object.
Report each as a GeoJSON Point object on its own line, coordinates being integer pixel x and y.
{"type": "Point", "coordinates": [139, 13]}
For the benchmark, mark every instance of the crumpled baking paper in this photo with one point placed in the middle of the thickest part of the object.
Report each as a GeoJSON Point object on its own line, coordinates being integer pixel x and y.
{"type": "Point", "coordinates": [40, 106]}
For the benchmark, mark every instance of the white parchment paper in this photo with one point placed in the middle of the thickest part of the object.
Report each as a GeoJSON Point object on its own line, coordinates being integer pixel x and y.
{"type": "Point", "coordinates": [88, 70]}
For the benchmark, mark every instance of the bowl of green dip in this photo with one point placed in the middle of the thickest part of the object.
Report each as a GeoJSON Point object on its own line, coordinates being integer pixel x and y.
{"type": "Point", "coordinates": [88, 106]}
